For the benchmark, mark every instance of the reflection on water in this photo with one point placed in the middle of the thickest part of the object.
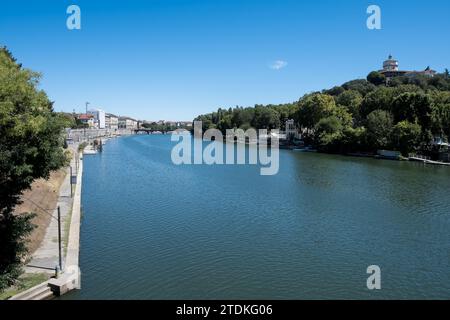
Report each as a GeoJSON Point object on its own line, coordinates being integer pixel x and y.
{"type": "Point", "coordinates": [153, 230]}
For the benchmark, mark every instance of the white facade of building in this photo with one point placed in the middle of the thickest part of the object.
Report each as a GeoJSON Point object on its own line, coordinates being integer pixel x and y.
{"type": "Point", "coordinates": [127, 123]}
{"type": "Point", "coordinates": [111, 121]}
{"type": "Point", "coordinates": [390, 64]}
{"type": "Point", "coordinates": [391, 70]}
{"type": "Point", "coordinates": [99, 118]}
{"type": "Point", "coordinates": [291, 130]}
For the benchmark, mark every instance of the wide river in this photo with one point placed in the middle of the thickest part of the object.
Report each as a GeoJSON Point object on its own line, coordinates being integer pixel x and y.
{"type": "Point", "coordinates": [155, 230]}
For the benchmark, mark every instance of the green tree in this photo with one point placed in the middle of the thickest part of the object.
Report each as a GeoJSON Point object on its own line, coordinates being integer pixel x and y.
{"type": "Point", "coordinates": [266, 118]}
{"type": "Point", "coordinates": [335, 91]}
{"type": "Point", "coordinates": [440, 119]}
{"type": "Point", "coordinates": [67, 119]}
{"type": "Point", "coordinates": [414, 107]}
{"type": "Point", "coordinates": [352, 100]}
{"type": "Point", "coordinates": [405, 88]}
{"type": "Point", "coordinates": [439, 82]}
{"type": "Point", "coordinates": [245, 116]}
{"type": "Point", "coordinates": [376, 78]}
{"type": "Point", "coordinates": [354, 139]}
{"type": "Point", "coordinates": [418, 80]}
{"type": "Point", "coordinates": [379, 125]}
{"type": "Point", "coordinates": [445, 120]}
{"type": "Point", "coordinates": [31, 146]}
{"type": "Point", "coordinates": [406, 136]}
{"type": "Point", "coordinates": [225, 123]}
{"type": "Point", "coordinates": [245, 126]}
{"type": "Point", "coordinates": [207, 122]}
{"type": "Point", "coordinates": [328, 133]}
{"type": "Point", "coordinates": [313, 108]}
{"type": "Point", "coordinates": [361, 85]}
{"type": "Point", "coordinates": [381, 98]}
{"type": "Point", "coordinates": [286, 112]}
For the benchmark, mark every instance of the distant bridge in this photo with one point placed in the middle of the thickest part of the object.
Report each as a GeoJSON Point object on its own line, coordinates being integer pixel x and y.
{"type": "Point", "coordinates": [149, 131]}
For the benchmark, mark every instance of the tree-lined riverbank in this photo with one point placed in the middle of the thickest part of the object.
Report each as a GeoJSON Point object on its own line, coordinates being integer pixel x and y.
{"type": "Point", "coordinates": [406, 114]}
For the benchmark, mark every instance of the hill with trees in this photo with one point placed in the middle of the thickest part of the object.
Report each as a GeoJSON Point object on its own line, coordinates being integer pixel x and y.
{"type": "Point", "coordinates": [363, 115]}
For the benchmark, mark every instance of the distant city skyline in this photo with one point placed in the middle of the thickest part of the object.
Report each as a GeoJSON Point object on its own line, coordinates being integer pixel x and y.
{"type": "Point", "coordinates": [173, 60]}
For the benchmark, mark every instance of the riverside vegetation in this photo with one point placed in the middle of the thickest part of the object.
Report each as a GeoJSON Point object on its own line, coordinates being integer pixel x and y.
{"type": "Point", "coordinates": [31, 146]}
{"type": "Point", "coordinates": [363, 115]}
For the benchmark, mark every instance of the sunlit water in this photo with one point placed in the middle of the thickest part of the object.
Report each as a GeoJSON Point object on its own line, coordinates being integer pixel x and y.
{"type": "Point", "coordinates": [154, 230]}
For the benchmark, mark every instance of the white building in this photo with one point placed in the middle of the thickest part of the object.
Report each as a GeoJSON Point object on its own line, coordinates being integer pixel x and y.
{"type": "Point", "coordinates": [111, 121]}
{"type": "Point", "coordinates": [391, 70]}
{"type": "Point", "coordinates": [127, 123]}
{"type": "Point", "coordinates": [99, 118]}
{"type": "Point", "coordinates": [291, 130]}
{"type": "Point", "coordinates": [87, 119]}
{"type": "Point", "coordinates": [390, 64]}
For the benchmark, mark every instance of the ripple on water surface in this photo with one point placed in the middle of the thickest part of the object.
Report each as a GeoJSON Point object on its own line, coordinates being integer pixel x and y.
{"type": "Point", "coordinates": [153, 230]}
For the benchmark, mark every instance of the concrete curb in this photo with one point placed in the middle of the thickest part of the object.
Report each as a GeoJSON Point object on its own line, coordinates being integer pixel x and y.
{"type": "Point", "coordinates": [73, 243]}
{"type": "Point", "coordinates": [71, 275]}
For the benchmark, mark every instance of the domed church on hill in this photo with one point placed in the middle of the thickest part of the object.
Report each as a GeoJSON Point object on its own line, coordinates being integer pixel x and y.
{"type": "Point", "coordinates": [391, 70]}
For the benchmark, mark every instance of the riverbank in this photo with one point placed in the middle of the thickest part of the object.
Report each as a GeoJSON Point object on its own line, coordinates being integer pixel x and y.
{"type": "Point", "coordinates": [70, 278]}
{"type": "Point", "coordinates": [43, 198]}
{"type": "Point", "coordinates": [380, 154]}
{"type": "Point", "coordinates": [46, 257]}
{"type": "Point", "coordinates": [44, 260]}
{"type": "Point", "coordinates": [42, 195]}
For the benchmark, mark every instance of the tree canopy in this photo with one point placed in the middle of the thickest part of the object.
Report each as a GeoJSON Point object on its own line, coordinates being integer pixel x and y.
{"type": "Point", "coordinates": [359, 115]}
{"type": "Point", "coordinates": [376, 78]}
{"type": "Point", "coordinates": [31, 146]}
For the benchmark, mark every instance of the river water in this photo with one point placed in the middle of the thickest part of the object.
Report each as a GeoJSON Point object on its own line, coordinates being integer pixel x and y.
{"type": "Point", "coordinates": [154, 230]}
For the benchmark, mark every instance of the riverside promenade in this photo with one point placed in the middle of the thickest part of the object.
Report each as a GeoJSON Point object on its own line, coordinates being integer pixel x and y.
{"type": "Point", "coordinates": [46, 257]}
{"type": "Point", "coordinates": [73, 242]}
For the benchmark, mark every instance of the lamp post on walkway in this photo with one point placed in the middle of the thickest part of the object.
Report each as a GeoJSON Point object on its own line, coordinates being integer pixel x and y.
{"type": "Point", "coordinates": [87, 103]}
{"type": "Point", "coordinates": [59, 237]}
{"type": "Point", "coordinates": [71, 191]}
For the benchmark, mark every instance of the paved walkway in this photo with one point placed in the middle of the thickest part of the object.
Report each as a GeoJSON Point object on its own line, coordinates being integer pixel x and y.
{"type": "Point", "coordinates": [46, 257]}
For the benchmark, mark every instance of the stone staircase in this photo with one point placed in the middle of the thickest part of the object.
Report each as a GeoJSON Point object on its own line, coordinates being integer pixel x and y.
{"type": "Point", "coordinates": [39, 292]}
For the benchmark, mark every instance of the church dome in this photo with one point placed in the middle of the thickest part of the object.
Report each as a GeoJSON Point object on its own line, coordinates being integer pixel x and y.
{"type": "Point", "coordinates": [390, 64]}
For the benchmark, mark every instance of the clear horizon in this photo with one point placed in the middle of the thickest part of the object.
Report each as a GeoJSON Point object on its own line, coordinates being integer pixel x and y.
{"type": "Point", "coordinates": [174, 60]}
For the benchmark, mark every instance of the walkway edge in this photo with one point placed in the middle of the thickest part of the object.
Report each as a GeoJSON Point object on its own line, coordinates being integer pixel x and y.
{"type": "Point", "coordinates": [71, 276]}
{"type": "Point", "coordinates": [73, 243]}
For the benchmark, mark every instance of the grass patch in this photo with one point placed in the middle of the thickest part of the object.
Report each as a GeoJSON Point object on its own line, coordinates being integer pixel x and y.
{"type": "Point", "coordinates": [25, 282]}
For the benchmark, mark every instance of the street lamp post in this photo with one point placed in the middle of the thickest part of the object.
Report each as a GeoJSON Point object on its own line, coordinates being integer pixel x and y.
{"type": "Point", "coordinates": [59, 238]}
{"type": "Point", "coordinates": [87, 103]}
{"type": "Point", "coordinates": [71, 191]}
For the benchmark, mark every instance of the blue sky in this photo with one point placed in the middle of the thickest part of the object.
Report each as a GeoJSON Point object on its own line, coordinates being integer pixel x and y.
{"type": "Point", "coordinates": [175, 59]}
